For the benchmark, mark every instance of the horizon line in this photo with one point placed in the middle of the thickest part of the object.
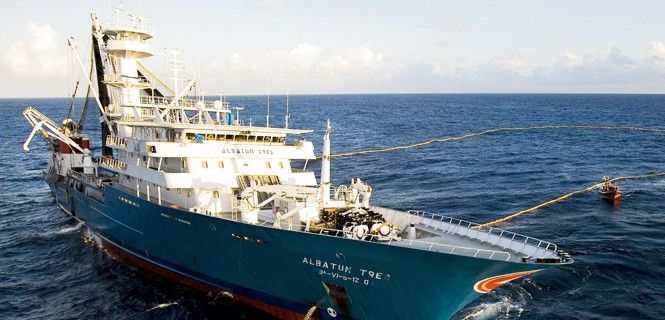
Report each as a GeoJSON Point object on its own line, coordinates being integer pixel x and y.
{"type": "Point", "coordinates": [396, 93]}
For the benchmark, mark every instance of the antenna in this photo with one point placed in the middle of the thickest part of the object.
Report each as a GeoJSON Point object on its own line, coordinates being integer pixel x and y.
{"type": "Point", "coordinates": [176, 67]}
{"type": "Point", "coordinates": [268, 111]}
{"type": "Point", "coordinates": [287, 115]}
{"type": "Point", "coordinates": [238, 113]}
{"type": "Point", "coordinates": [116, 13]}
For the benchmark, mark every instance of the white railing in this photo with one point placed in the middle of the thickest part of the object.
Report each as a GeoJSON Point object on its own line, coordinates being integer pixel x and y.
{"type": "Point", "coordinates": [84, 177]}
{"type": "Point", "coordinates": [113, 163]}
{"type": "Point", "coordinates": [426, 245]}
{"type": "Point", "coordinates": [115, 141]}
{"type": "Point", "coordinates": [125, 21]}
{"type": "Point", "coordinates": [184, 103]}
{"type": "Point", "coordinates": [153, 100]}
{"type": "Point", "coordinates": [112, 110]}
{"type": "Point", "coordinates": [493, 236]}
{"type": "Point", "coordinates": [147, 113]}
{"type": "Point", "coordinates": [235, 208]}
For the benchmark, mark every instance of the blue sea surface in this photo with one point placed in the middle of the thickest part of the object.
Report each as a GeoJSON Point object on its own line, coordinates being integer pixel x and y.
{"type": "Point", "coordinates": [47, 271]}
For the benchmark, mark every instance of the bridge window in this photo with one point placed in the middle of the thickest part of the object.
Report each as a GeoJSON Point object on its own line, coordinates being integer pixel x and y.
{"type": "Point", "coordinates": [281, 165]}
{"type": "Point", "coordinates": [268, 164]}
{"type": "Point", "coordinates": [220, 164]}
{"type": "Point", "coordinates": [215, 194]}
{"type": "Point", "coordinates": [204, 164]}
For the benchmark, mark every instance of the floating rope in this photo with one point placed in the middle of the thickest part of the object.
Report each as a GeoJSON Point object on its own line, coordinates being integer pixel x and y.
{"type": "Point", "coordinates": [564, 197]}
{"type": "Point", "coordinates": [490, 131]}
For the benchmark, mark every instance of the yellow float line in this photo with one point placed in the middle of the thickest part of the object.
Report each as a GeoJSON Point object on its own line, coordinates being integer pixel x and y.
{"type": "Point", "coordinates": [490, 131]}
{"type": "Point", "coordinates": [564, 197]}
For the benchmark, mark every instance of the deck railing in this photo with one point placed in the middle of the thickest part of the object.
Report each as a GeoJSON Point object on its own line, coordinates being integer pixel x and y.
{"type": "Point", "coordinates": [494, 236]}
{"type": "Point", "coordinates": [113, 163]}
{"type": "Point", "coordinates": [84, 177]}
{"type": "Point", "coordinates": [426, 245]}
{"type": "Point", "coordinates": [184, 102]}
{"type": "Point", "coordinates": [115, 141]}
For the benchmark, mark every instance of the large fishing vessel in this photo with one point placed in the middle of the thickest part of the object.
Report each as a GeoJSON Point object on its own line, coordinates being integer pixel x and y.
{"type": "Point", "coordinates": [184, 188]}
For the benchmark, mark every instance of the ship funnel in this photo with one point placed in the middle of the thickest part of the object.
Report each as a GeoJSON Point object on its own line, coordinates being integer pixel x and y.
{"type": "Point", "coordinates": [325, 166]}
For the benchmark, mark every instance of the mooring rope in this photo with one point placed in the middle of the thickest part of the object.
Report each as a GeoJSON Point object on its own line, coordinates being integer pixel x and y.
{"type": "Point", "coordinates": [490, 131]}
{"type": "Point", "coordinates": [564, 197]}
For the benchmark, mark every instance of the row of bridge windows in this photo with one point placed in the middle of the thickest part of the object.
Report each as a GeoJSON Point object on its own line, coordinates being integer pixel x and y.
{"type": "Point", "coordinates": [191, 136]}
{"type": "Point", "coordinates": [220, 164]}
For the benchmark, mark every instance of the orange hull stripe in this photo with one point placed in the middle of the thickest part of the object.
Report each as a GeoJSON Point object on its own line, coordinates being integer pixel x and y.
{"type": "Point", "coordinates": [491, 283]}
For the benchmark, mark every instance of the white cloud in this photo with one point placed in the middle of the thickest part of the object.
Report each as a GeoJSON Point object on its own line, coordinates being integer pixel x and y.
{"type": "Point", "coordinates": [40, 56]}
{"type": "Point", "coordinates": [512, 66]}
{"type": "Point", "coordinates": [438, 68]}
{"type": "Point", "coordinates": [349, 60]}
{"type": "Point", "coordinates": [313, 68]}
{"type": "Point", "coordinates": [606, 71]}
{"type": "Point", "coordinates": [656, 52]}
{"type": "Point", "coordinates": [305, 55]}
{"type": "Point", "coordinates": [654, 60]}
{"type": "Point", "coordinates": [235, 61]}
{"type": "Point", "coordinates": [309, 66]}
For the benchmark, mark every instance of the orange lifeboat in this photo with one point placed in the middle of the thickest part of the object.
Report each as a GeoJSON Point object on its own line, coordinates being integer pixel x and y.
{"type": "Point", "coordinates": [609, 191]}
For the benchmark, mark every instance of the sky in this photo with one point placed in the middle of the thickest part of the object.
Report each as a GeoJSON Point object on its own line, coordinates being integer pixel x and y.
{"type": "Point", "coordinates": [328, 47]}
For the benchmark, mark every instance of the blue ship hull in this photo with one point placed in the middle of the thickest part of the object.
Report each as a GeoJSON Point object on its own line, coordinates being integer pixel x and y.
{"type": "Point", "coordinates": [286, 273]}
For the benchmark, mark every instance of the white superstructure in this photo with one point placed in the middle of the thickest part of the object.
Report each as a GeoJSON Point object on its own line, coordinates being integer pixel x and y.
{"type": "Point", "coordinates": [187, 153]}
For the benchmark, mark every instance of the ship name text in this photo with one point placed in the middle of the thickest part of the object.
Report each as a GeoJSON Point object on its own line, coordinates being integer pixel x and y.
{"type": "Point", "coordinates": [364, 276]}
{"type": "Point", "coordinates": [246, 151]}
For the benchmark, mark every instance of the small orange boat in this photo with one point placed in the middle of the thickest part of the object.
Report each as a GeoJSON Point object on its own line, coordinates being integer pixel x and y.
{"type": "Point", "coordinates": [609, 191]}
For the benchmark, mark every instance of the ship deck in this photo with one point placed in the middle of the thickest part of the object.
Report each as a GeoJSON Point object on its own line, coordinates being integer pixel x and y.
{"type": "Point", "coordinates": [433, 233]}
{"type": "Point", "coordinates": [447, 235]}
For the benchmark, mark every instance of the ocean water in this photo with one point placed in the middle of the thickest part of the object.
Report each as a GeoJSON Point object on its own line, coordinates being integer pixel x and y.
{"type": "Point", "coordinates": [48, 271]}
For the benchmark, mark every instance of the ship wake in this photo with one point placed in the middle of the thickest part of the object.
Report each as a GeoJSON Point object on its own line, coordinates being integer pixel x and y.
{"type": "Point", "coordinates": [62, 231]}
{"type": "Point", "coordinates": [504, 309]}
{"type": "Point", "coordinates": [162, 306]}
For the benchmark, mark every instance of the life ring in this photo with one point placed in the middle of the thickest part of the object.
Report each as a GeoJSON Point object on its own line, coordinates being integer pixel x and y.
{"type": "Point", "coordinates": [385, 229]}
{"type": "Point", "coordinates": [360, 231]}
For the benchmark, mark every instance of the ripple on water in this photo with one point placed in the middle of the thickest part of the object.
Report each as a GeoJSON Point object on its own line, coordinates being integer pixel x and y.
{"type": "Point", "coordinates": [48, 272]}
